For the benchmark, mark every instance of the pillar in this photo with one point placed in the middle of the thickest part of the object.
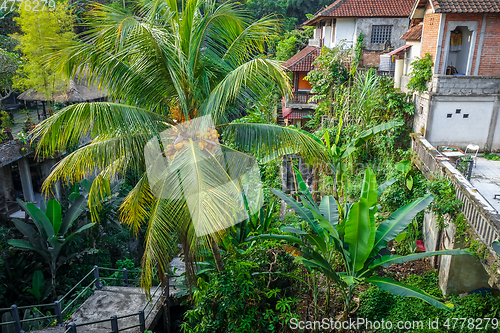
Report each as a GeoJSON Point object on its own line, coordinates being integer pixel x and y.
{"type": "Point", "coordinates": [6, 184]}
{"type": "Point", "coordinates": [46, 168]}
{"type": "Point", "coordinates": [398, 72]}
{"type": "Point", "coordinates": [25, 173]}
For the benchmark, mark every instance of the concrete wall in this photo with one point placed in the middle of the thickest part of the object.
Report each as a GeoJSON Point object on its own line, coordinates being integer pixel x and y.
{"type": "Point", "coordinates": [459, 120]}
{"type": "Point", "coordinates": [345, 29]}
{"type": "Point", "coordinates": [465, 85]}
{"type": "Point", "coordinates": [399, 27]}
{"type": "Point", "coordinates": [412, 55]}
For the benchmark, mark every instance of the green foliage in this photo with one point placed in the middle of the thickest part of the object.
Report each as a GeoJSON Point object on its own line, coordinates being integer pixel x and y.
{"type": "Point", "coordinates": [291, 42]}
{"type": "Point", "coordinates": [492, 157]}
{"type": "Point", "coordinates": [5, 120]}
{"type": "Point", "coordinates": [329, 71]}
{"type": "Point", "coordinates": [38, 31]}
{"type": "Point", "coordinates": [359, 242]}
{"type": "Point", "coordinates": [377, 304]}
{"type": "Point", "coordinates": [52, 232]}
{"type": "Point", "coordinates": [421, 74]}
{"type": "Point", "coordinates": [9, 63]}
{"type": "Point", "coordinates": [286, 48]}
{"type": "Point", "coordinates": [246, 296]}
{"type": "Point", "coordinates": [446, 203]}
{"type": "Point", "coordinates": [358, 54]}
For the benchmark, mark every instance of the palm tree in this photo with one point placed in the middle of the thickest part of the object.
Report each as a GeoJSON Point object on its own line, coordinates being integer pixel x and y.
{"type": "Point", "coordinates": [165, 65]}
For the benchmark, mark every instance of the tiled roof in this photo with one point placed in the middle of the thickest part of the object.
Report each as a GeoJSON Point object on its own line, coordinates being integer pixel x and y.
{"type": "Point", "coordinates": [401, 49]}
{"type": "Point", "coordinates": [466, 6]}
{"type": "Point", "coordinates": [302, 61]}
{"type": "Point", "coordinates": [415, 33]}
{"type": "Point", "coordinates": [365, 8]}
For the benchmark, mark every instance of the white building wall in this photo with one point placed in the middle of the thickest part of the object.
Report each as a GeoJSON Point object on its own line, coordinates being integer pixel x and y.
{"type": "Point", "coordinates": [345, 29]}
{"type": "Point", "coordinates": [412, 55]}
{"type": "Point", "coordinates": [459, 129]}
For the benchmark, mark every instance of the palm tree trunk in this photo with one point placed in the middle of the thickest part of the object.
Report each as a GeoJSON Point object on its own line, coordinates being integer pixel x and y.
{"type": "Point", "coordinates": [216, 253]}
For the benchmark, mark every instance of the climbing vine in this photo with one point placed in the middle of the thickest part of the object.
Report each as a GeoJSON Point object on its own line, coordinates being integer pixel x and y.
{"type": "Point", "coordinates": [421, 74]}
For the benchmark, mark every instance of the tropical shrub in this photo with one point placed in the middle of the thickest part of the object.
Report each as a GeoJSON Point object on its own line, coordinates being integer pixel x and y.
{"type": "Point", "coordinates": [360, 244]}
{"type": "Point", "coordinates": [421, 74]}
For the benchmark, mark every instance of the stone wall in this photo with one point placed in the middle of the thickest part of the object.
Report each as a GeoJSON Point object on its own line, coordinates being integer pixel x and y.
{"type": "Point", "coordinates": [483, 221]}
{"type": "Point", "coordinates": [465, 85]}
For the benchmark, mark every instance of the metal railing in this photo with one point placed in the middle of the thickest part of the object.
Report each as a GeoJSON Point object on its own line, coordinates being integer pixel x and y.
{"type": "Point", "coordinates": [20, 324]}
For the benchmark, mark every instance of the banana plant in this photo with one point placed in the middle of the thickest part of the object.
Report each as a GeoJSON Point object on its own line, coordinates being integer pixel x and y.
{"type": "Point", "coordinates": [356, 246]}
{"type": "Point", "coordinates": [336, 154]}
{"type": "Point", "coordinates": [38, 287]}
{"type": "Point", "coordinates": [51, 233]}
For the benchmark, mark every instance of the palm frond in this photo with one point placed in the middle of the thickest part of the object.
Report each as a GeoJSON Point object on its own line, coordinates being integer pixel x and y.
{"type": "Point", "coordinates": [267, 141]}
{"type": "Point", "coordinates": [136, 208]}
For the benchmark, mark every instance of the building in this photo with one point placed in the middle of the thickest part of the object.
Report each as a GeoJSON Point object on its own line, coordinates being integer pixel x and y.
{"type": "Point", "coordinates": [462, 104]}
{"type": "Point", "coordinates": [382, 22]}
{"type": "Point", "coordinates": [297, 106]}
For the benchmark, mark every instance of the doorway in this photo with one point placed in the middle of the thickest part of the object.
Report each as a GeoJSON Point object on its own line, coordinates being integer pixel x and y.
{"type": "Point", "coordinates": [459, 50]}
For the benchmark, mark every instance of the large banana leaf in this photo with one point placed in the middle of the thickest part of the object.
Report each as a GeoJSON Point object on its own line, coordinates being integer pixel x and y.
{"type": "Point", "coordinates": [28, 246]}
{"type": "Point", "coordinates": [403, 290]}
{"type": "Point", "coordinates": [329, 209]}
{"type": "Point", "coordinates": [359, 233]}
{"type": "Point", "coordinates": [399, 220]}
{"type": "Point", "coordinates": [27, 231]}
{"type": "Point", "coordinates": [72, 214]}
{"type": "Point", "coordinates": [386, 261]}
{"type": "Point", "coordinates": [53, 212]}
{"type": "Point", "coordinates": [302, 211]}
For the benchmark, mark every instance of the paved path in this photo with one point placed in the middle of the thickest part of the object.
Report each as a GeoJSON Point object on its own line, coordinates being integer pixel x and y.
{"type": "Point", "coordinates": [486, 179]}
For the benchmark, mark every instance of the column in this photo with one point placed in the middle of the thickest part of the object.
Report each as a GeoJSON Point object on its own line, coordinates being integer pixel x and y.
{"type": "Point", "coordinates": [25, 173]}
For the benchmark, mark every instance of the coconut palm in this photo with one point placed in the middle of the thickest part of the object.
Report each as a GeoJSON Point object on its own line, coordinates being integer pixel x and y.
{"type": "Point", "coordinates": [165, 65]}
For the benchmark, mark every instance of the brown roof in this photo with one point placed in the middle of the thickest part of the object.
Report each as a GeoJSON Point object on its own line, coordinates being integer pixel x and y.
{"type": "Point", "coordinates": [72, 92]}
{"type": "Point", "coordinates": [302, 61]}
{"type": "Point", "coordinates": [365, 8]}
{"type": "Point", "coordinates": [415, 33]}
{"type": "Point", "coordinates": [401, 49]}
{"type": "Point", "coordinates": [466, 6]}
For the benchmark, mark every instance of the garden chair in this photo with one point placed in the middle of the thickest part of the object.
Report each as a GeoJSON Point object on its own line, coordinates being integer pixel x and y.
{"type": "Point", "coordinates": [471, 148]}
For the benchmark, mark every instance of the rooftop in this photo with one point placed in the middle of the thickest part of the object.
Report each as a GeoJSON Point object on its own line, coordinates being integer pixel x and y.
{"type": "Point", "coordinates": [466, 6]}
{"type": "Point", "coordinates": [415, 33]}
{"type": "Point", "coordinates": [365, 8]}
{"type": "Point", "coordinates": [302, 61]}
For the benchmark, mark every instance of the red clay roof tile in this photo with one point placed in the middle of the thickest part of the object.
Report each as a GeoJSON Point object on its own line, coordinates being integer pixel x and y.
{"type": "Point", "coordinates": [302, 61]}
{"type": "Point", "coordinates": [366, 8]}
{"type": "Point", "coordinates": [466, 6]}
{"type": "Point", "coordinates": [415, 33]}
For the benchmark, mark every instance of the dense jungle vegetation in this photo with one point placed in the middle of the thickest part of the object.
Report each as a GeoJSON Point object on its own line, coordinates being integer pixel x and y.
{"type": "Point", "coordinates": [323, 252]}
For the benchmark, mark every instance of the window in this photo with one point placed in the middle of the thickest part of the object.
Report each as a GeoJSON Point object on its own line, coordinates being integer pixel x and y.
{"type": "Point", "coordinates": [381, 33]}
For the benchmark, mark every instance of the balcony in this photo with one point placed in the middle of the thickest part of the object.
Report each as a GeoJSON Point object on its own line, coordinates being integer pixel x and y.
{"type": "Point", "coordinates": [318, 42]}
{"type": "Point", "coordinates": [300, 100]}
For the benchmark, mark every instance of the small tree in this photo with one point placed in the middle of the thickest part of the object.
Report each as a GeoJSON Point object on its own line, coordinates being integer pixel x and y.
{"type": "Point", "coordinates": [38, 30]}
{"type": "Point", "coordinates": [52, 234]}
{"type": "Point", "coordinates": [421, 74]}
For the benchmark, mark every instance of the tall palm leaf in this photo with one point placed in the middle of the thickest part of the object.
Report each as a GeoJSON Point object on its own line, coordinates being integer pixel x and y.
{"type": "Point", "coordinates": [165, 65]}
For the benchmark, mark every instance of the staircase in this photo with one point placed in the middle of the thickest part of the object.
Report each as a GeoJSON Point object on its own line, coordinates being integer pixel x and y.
{"type": "Point", "coordinates": [279, 118]}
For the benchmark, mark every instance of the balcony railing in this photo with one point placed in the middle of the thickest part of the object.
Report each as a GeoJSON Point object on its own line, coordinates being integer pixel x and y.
{"type": "Point", "coordinates": [301, 97]}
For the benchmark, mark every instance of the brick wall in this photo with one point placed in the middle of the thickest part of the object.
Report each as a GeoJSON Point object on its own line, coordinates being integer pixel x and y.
{"type": "Point", "coordinates": [371, 58]}
{"type": "Point", "coordinates": [430, 33]}
{"type": "Point", "coordinates": [460, 17]}
{"type": "Point", "coordinates": [490, 56]}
